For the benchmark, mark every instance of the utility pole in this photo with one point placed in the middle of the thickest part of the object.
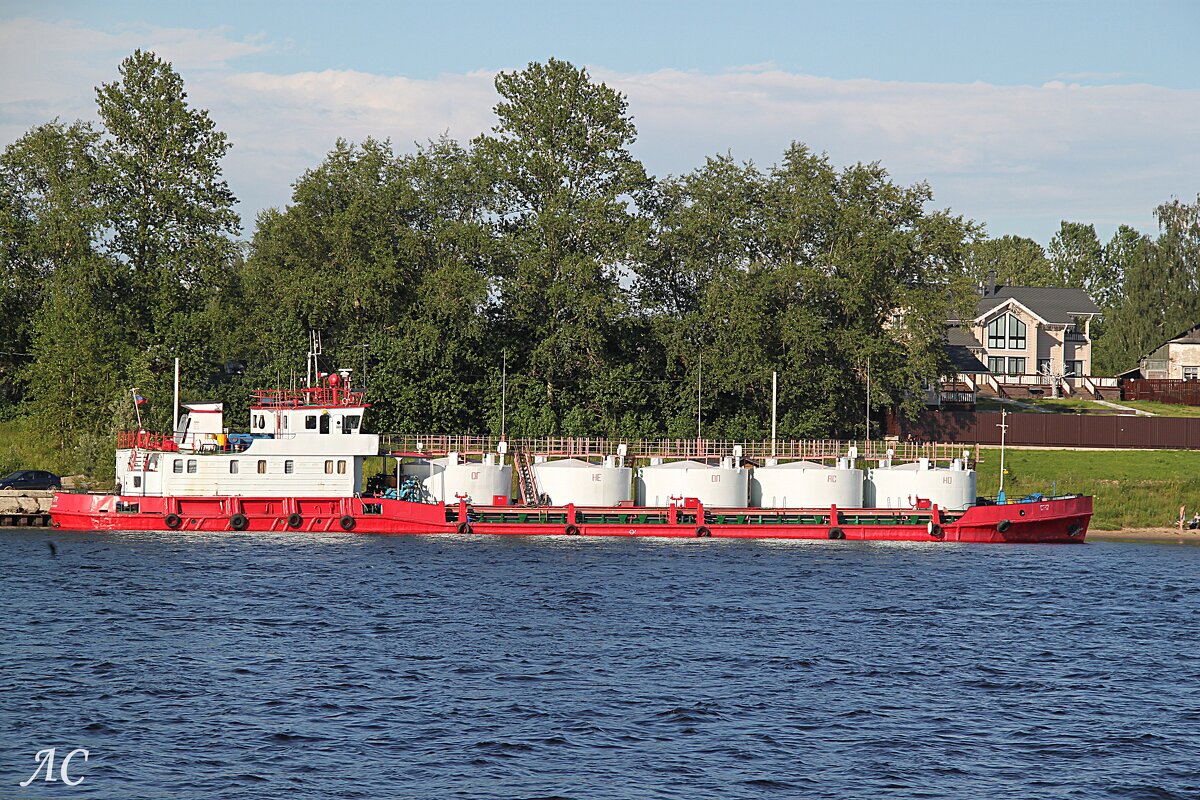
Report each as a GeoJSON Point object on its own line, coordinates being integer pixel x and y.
{"type": "Point", "coordinates": [1003, 426]}
{"type": "Point", "coordinates": [774, 399]}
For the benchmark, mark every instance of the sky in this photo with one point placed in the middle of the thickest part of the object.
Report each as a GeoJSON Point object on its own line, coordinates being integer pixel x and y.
{"type": "Point", "coordinates": [1018, 114]}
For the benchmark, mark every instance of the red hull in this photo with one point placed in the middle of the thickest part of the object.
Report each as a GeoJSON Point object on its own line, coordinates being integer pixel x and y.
{"type": "Point", "coordinates": [1057, 520]}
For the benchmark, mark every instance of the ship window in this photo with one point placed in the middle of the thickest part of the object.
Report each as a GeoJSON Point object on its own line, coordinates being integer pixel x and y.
{"type": "Point", "coordinates": [233, 467]}
{"type": "Point", "coordinates": [350, 423]}
{"type": "Point", "coordinates": [289, 467]}
{"type": "Point", "coordinates": [177, 467]}
{"type": "Point", "coordinates": [310, 422]}
{"type": "Point", "coordinates": [262, 467]}
{"type": "Point", "coordinates": [191, 466]}
{"type": "Point", "coordinates": [137, 481]}
{"type": "Point", "coordinates": [328, 467]}
{"type": "Point", "coordinates": [341, 466]}
{"type": "Point", "coordinates": [285, 419]}
{"type": "Point", "coordinates": [324, 423]}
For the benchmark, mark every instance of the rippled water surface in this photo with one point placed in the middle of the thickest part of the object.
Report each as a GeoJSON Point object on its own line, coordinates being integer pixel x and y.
{"type": "Point", "coordinates": [281, 666]}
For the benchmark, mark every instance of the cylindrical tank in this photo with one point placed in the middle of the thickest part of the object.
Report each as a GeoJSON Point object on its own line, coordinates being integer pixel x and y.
{"type": "Point", "coordinates": [724, 486]}
{"type": "Point", "coordinates": [446, 478]}
{"type": "Point", "coordinates": [806, 484]}
{"type": "Point", "coordinates": [570, 480]}
{"type": "Point", "coordinates": [951, 488]}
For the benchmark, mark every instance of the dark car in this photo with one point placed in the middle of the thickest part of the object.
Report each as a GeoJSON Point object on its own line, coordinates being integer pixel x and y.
{"type": "Point", "coordinates": [31, 479]}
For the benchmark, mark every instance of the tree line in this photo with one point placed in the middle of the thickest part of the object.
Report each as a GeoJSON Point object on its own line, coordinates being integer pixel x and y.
{"type": "Point", "coordinates": [620, 304]}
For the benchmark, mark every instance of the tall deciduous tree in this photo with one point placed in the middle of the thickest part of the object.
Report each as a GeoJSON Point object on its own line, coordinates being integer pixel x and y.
{"type": "Point", "coordinates": [1010, 261]}
{"type": "Point", "coordinates": [168, 211]}
{"type": "Point", "coordinates": [561, 160]}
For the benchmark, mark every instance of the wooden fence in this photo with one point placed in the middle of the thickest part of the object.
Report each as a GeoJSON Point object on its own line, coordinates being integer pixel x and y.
{"type": "Point", "coordinates": [1176, 392]}
{"type": "Point", "coordinates": [1052, 430]}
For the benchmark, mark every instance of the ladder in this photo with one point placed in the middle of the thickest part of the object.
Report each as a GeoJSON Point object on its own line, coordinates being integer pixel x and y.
{"type": "Point", "coordinates": [527, 480]}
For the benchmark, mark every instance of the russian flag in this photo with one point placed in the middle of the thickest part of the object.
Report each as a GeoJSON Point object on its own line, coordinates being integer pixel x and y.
{"type": "Point", "coordinates": [138, 399]}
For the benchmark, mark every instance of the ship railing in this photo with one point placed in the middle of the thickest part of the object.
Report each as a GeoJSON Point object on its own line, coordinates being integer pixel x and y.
{"type": "Point", "coordinates": [145, 440]}
{"type": "Point", "coordinates": [313, 396]}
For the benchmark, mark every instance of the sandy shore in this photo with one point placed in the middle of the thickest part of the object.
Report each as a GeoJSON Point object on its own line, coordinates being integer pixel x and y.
{"type": "Point", "coordinates": [1146, 535]}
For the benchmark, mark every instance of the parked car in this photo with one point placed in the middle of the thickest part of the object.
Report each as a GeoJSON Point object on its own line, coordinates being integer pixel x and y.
{"type": "Point", "coordinates": [31, 479]}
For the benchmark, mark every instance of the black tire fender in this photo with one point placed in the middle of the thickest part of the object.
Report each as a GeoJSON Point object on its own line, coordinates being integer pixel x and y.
{"type": "Point", "coordinates": [703, 532]}
{"type": "Point", "coordinates": [294, 520]}
{"type": "Point", "coordinates": [1003, 525]}
{"type": "Point", "coordinates": [936, 531]}
{"type": "Point", "coordinates": [572, 530]}
{"type": "Point", "coordinates": [239, 522]}
{"type": "Point", "coordinates": [463, 527]}
{"type": "Point", "coordinates": [347, 522]}
{"type": "Point", "coordinates": [837, 533]}
{"type": "Point", "coordinates": [173, 521]}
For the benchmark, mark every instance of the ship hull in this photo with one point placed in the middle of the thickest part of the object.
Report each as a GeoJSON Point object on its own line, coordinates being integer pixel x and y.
{"type": "Point", "coordinates": [1058, 520]}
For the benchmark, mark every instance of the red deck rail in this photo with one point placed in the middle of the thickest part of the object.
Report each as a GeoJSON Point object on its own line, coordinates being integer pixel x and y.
{"type": "Point", "coordinates": [313, 396]}
{"type": "Point", "coordinates": [145, 440]}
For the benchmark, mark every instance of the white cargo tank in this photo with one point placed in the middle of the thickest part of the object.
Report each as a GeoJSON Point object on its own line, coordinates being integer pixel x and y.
{"type": "Point", "coordinates": [446, 478]}
{"type": "Point", "coordinates": [570, 480]}
{"type": "Point", "coordinates": [724, 486]}
{"type": "Point", "coordinates": [807, 484]}
{"type": "Point", "coordinates": [951, 488]}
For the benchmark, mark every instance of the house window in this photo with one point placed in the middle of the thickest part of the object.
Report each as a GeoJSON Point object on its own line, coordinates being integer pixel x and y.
{"type": "Point", "coordinates": [1043, 366]}
{"type": "Point", "coordinates": [310, 422]}
{"type": "Point", "coordinates": [328, 467]}
{"type": "Point", "coordinates": [1016, 334]}
{"type": "Point", "coordinates": [177, 467]}
{"type": "Point", "coordinates": [996, 365]}
{"type": "Point", "coordinates": [341, 467]}
{"type": "Point", "coordinates": [191, 466]}
{"type": "Point", "coordinates": [1191, 373]}
{"type": "Point", "coordinates": [1016, 366]}
{"type": "Point", "coordinates": [233, 467]}
{"type": "Point", "coordinates": [996, 334]}
{"type": "Point", "coordinates": [289, 467]}
{"type": "Point", "coordinates": [1074, 368]}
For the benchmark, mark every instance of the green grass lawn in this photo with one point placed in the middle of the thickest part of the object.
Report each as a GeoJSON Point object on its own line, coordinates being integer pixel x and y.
{"type": "Point", "coordinates": [1132, 488]}
{"type": "Point", "coordinates": [1078, 405]}
{"type": "Point", "coordinates": [1162, 409]}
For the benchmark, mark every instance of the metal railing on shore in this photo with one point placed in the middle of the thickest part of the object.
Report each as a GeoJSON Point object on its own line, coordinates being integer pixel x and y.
{"type": "Point", "coordinates": [701, 449]}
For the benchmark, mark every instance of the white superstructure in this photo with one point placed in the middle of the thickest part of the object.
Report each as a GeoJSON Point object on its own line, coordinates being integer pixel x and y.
{"type": "Point", "coordinates": [305, 443]}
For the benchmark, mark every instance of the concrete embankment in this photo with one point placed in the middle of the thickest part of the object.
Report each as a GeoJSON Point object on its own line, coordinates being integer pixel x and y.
{"type": "Point", "coordinates": [24, 508]}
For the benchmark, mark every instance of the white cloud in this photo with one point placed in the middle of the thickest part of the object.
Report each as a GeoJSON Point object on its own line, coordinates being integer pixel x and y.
{"type": "Point", "coordinates": [1017, 157]}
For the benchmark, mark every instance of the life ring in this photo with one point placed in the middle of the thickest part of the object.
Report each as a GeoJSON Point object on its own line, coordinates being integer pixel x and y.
{"type": "Point", "coordinates": [572, 530]}
{"type": "Point", "coordinates": [294, 520]}
{"type": "Point", "coordinates": [464, 527]}
{"type": "Point", "coordinates": [347, 522]}
{"type": "Point", "coordinates": [239, 522]}
{"type": "Point", "coordinates": [837, 533]}
{"type": "Point", "coordinates": [936, 530]}
{"type": "Point", "coordinates": [1075, 530]}
{"type": "Point", "coordinates": [1003, 525]}
{"type": "Point", "coordinates": [703, 532]}
{"type": "Point", "coordinates": [173, 521]}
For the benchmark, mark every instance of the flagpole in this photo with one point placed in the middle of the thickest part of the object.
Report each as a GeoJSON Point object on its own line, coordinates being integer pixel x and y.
{"type": "Point", "coordinates": [134, 393]}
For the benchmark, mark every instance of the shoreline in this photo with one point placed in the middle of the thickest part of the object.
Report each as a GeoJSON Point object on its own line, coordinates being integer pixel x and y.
{"type": "Point", "coordinates": [1173, 535]}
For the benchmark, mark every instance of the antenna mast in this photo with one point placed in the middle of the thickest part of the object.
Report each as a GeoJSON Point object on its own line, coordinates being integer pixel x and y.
{"type": "Point", "coordinates": [314, 350]}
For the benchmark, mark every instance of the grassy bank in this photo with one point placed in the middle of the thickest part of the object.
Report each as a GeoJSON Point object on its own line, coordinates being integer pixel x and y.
{"type": "Point", "coordinates": [1132, 488]}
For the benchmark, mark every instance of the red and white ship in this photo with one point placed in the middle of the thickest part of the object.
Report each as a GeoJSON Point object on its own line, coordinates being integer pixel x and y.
{"type": "Point", "coordinates": [300, 467]}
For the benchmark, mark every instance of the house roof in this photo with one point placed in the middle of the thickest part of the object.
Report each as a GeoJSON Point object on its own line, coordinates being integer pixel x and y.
{"type": "Point", "coordinates": [961, 346]}
{"type": "Point", "coordinates": [1057, 305]}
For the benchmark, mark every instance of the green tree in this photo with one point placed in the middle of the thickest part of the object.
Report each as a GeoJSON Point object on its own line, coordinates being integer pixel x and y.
{"type": "Point", "coordinates": [566, 179]}
{"type": "Point", "coordinates": [1078, 261]}
{"type": "Point", "coordinates": [168, 213]}
{"type": "Point", "coordinates": [1011, 261]}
